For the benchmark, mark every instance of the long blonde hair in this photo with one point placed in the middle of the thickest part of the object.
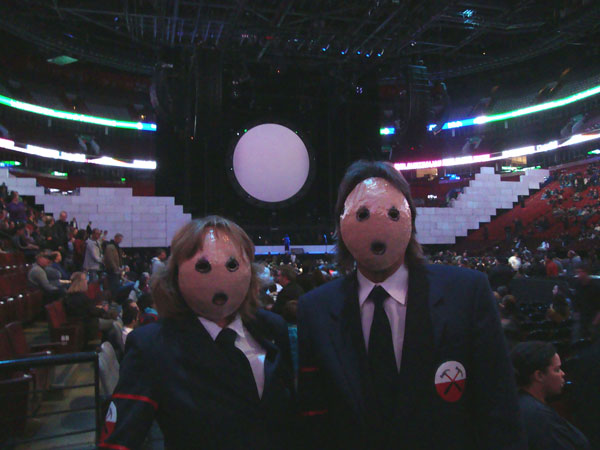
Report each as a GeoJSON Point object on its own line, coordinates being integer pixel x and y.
{"type": "Point", "coordinates": [186, 242]}
{"type": "Point", "coordinates": [78, 283]}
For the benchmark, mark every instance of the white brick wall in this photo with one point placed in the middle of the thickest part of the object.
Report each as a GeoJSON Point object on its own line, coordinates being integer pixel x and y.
{"type": "Point", "coordinates": [143, 221]}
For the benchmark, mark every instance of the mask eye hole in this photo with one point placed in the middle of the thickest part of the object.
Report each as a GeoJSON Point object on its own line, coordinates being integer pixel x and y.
{"type": "Point", "coordinates": [232, 265]}
{"type": "Point", "coordinates": [203, 266]}
{"type": "Point", "coordinates": [362, 214]}
{"type": "Point", "coordinates": [394, 214]}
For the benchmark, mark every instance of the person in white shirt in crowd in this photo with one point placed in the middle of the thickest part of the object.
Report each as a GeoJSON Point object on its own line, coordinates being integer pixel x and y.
{"type": "Point", "coordinates": [92, 259]}
{"type": "Point", "coordinates": [158, 262]}
{"type": "Point", "coordinates": [130, 321]}
{"type": "Point", "coordinates": [515, 261]}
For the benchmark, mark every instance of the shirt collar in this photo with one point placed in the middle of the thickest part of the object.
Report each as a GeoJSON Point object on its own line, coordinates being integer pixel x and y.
{"type": "Point", "coordinates": [396, 285]}
{"type": "Point", "coordinates": [214, 329]}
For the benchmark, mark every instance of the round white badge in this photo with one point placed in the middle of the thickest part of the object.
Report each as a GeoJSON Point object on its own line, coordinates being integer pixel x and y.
{"type": "Point", "coordinates": [450, 381]}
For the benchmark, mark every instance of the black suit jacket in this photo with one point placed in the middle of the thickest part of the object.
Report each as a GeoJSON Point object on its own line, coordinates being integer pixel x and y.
{"type": "Point", "coordinates": [174, 372]}
{"type": "Point", "coordinates": [451, 316]}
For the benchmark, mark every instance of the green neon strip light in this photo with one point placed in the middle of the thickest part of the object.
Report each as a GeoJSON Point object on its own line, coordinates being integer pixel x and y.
{"type": "Point", "coordinates": [520, 112]}
{"type": "Point", "coordinates": [76, 117]}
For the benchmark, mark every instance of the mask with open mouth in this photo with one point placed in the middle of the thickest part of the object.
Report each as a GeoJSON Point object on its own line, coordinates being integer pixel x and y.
{"type": "Point", "coordinates": [376, 224]}
{"type": "Point", "coordinates": [214, 282]}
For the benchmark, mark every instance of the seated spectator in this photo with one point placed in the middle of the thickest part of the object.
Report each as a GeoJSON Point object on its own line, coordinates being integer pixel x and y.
{"type": "Point", "coordinates": [38, 277]}
{"type": "Point", "coordinates": [78, 306]}
{"type": "Point", "coordinates": [147, 309]}
{"type": "Point", "coordinates": [16, 208]}
{"type": "Point", "coordinates": [56, 258]}
{"type": "Point", "coordinates": [22, 241]}
{"type": "Point", "coordinates": [551, 267]}
{"type": "Point", "coordinates": [539, 376]}
{"type": "Point", "coordinates": [140, 287]}
{"type": "Point", "coordinates": [130, 321]}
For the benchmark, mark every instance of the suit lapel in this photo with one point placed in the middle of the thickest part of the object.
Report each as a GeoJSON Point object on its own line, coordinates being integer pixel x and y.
{"type": "Point", "coordinates": [204, 352]}
{"type": "Point", "coordinates": [417, 371]}
{"type": "Point", "coordinates": [347, 339]}
{"type": "Point", "coordinates": [273, 354]}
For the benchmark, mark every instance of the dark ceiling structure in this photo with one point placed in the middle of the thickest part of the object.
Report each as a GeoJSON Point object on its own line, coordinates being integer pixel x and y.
{"type": "Point", "coordinates": [452, 38]}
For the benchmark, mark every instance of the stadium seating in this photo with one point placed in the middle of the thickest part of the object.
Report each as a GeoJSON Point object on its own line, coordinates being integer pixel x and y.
{"type": "Point", "coordinates": [479, 202]}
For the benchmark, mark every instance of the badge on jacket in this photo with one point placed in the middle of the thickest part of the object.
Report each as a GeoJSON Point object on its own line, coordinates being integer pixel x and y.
{"type": "Point", "coordinates": [450, 381]}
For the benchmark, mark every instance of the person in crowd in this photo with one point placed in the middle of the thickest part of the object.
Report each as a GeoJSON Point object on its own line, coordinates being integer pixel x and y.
{"type": "Point", "coordinates": [572, 263]}
{"type": "Point", "coordinates": [215, 372]}
{"type": "Point", "coordinates": [73, 223]}
{"type": "Point", "coordinates": [48, 234]}
{"type": "Point", "coordinates": [148, 313]}
{"type": "Point", "coordinates": [140, 287]}
{"type": "Point", "coordinates": [399, 353]}
{"type": "Point", "coordinates": [62, 232]}
{"type": "Point", "coordinates": [515, 261]}
{"type": "Point", "coordinates": [58, 266]}
{"type": "Point", "coordinates": [559, 310]}
{"type": "Point", "coordinates": [511, 319]}
{"type": "Point", "coordinates": [22, 242]}
{"type": "Point", "coordinates": [16, 208]}
{"type": "Point", "coordinates": [130, 321]}
{"type": "Point", "coordinates": [78, 306]}
{"type": "Point", "coordinates": [501, 274]}
{"type": "Point", "coordinates": [54, 271]}
{"type": "Point", "coordinates": [88, 229]}
{"type": "Point", "coordinates": [158, 262]}
{"type": "Point", "coordinates": [286, 277]}
{"type": "Point", "coordinates": [113, 263]}
{"type": "Point", "coordinates": [92, 260]}
{"type": "Point", "coordinates": [38, 277]}
{"type": "Point", "coordinates": [539, 376]}
{"type": "Point", "coordinates": [587, 301]}
{"type": "Point", "coordinates": [551, 267]}
{"type": "Point", "coordinates": [79, 247]}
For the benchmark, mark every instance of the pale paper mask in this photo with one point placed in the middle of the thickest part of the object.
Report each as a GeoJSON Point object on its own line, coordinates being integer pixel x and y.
{"type": "Point", "coordinates": [376, 224]}
{"type": "Point", "coordinates": [214, 282]}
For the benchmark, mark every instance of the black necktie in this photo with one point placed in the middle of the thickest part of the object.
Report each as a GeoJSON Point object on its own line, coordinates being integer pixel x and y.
{"type": "Point", "coordinates": [381, 356]}
{"type": "Point", "coordinates": [240, 365]}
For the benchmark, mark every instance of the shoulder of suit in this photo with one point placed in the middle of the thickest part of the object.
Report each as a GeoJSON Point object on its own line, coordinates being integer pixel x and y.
{"type": "Point", "coordinates": [440, 273]}
{"type": "Point", "coordinates": [145, 336]}
{"type": "Point", "coordinates": [326, 291]}
{"type": "Point", "coordinates": [271, 320]}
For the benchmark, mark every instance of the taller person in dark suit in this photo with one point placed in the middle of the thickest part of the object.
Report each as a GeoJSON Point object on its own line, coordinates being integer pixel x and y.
{"type": "Point", "coordinates": [399, 354]}
{"type": "Point", "coordinates": [215, 372]}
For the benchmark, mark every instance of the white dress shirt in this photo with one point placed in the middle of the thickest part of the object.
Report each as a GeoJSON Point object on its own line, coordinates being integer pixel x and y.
{"type": "Point", "coordinates": [247, 344]}
{"type": "Point", "coordinates": [396, 286]}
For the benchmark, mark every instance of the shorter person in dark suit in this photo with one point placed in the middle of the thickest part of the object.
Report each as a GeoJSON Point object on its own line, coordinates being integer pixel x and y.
{"type": "Point", "coordinates": [539, 376]}
{"type": "Point", "coordinates": [215, 372]}
{"type": "Point", "coordinates": [79, 306]}
{"type": "Point", "coordinates": [286, 277]}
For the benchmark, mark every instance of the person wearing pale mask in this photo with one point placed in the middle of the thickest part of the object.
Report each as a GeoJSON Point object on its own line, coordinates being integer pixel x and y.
{"type": "Point", "coordinates": [215, 372]}
{"type": "Point", "coordinates": [539, 377]}
{"type": "Point", "coordinates": [397, 353]}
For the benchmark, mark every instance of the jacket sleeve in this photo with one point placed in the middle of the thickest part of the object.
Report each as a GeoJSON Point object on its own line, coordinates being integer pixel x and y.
{"type": "Point", "coordinates": [495, 389]}
{"type": "Point", "coordinates": [111, 259]}
{"type": "Point", "coordinates": [133, 404]}
{"type": "Point", "coordinates": [313, 410]}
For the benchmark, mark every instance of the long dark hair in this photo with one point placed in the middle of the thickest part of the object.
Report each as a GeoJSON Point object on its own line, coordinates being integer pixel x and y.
{"type": "Point", "coordinates": [356, 173]}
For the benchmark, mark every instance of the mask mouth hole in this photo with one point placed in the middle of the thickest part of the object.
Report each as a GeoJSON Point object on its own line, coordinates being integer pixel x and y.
{"type": "Point", "coordinates": [220, 298]}
{"type": "Point", "coordinates": [378, 248]}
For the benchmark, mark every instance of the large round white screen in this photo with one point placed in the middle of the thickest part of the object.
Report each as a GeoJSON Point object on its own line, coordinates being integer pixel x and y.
{"type": "Point", "coordinates": [271, 163]}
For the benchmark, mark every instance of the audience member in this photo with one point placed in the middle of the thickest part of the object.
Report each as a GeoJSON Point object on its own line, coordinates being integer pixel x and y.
{"type": "Point", "coordinates": [130, 321]}
{"type": "Point", "coordinates": [93, 255]}
{"type": "Point", "coordinates": [286, 277]}
{"type": "Point", "coordinates": [113, 263]}
{"type": "Point", "coordinates": [80, 307]}
{"type": "Point", "coordinates": [16, 208]}
{"type": "Point", "coordinates": [38, 278]}
{"type": "Point", "coordinates": [158, 262]}
{"type": "Point", "coordinates": [539, 376]}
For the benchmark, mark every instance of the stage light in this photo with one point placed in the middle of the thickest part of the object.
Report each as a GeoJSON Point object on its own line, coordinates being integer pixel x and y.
{"type": "Point", "coordinates": [520, 112]}
{"type": "Point", "coordinates": [512, 153]}
{"type": "Point", "coordinates": [76, 117]}
{"type": "Point", "coordinates": [387, 131]}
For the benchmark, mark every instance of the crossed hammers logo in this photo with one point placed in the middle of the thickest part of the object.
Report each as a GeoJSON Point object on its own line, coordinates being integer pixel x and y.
{"type": "Point", "coordinates": [452, 380]}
